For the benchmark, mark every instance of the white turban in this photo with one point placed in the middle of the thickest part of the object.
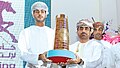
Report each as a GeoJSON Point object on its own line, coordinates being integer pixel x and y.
{"type": "Point", "coordinates": [85, 22]}
{"type": "Point", "coordinates": [40, 5]}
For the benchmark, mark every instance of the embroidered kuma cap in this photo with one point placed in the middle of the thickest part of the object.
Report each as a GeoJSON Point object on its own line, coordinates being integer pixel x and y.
{"type": "Point", "coordinates": [39, 5]}
{"type": "Point", "coordinates": [85, 22]}
{"type": "Point", "coordinates": [97, 24]}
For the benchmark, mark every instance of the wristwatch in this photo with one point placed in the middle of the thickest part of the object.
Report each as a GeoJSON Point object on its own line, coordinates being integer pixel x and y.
{"type": "Point", "coordinates": [81, 62]}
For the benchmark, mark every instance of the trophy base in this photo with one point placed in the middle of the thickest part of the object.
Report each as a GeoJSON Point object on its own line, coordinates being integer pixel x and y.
{"type": "Point", "coordinates": [58, 56]}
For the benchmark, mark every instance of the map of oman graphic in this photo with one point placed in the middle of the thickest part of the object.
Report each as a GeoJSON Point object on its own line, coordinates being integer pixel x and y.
{"type": "Point", "coordinates": [6, 6]}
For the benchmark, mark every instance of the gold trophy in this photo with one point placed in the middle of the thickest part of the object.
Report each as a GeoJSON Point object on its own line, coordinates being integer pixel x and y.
{"type": "Point", "coordinates": [62, 33]}
{"type": "Point", "coordinates": [61, 42]}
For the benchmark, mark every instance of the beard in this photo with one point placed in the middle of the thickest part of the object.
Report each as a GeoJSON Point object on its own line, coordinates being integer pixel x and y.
{"type": "Point", "coordinates": [98, 36]}
{"type": "Point", "coordinates": [41, 20]}
{"type": "Point", "coordinates": [84, 35]}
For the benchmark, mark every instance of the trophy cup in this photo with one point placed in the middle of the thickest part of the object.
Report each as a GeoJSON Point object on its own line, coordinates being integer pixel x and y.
{"type": "Point", "coordinates": [61, 51]}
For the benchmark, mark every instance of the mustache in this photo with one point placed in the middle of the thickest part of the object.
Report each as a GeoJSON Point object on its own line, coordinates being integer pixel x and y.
{"type": "Point", "coordinates": [40, 16]}
{"type": "Point", "coordinates": [84, 33]}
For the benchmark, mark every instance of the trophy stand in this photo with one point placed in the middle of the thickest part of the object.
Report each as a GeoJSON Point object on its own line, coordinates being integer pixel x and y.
{"type": "Point", "coordinates": [61, 51]}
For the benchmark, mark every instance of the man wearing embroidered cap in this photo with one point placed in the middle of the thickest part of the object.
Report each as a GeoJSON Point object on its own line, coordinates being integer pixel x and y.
{"type": "Point", "coordinates": [98, 30]}
{"type": "Point", "coordinates": [35, 40]}
{"type": "Point", "coordinates": [106, 54]}
{"type": "Point", "coordinates": [82, 47]}
{"type": "Point", "coordinates": [84, 28]}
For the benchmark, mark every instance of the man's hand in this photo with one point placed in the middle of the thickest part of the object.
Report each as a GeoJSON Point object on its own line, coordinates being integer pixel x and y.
{"type": "Point", "coordinates": [62, 64]}
{"type": "Point", "coordinates": [74, 61]}
{"type": "Point", "coordinates": [43, 57]}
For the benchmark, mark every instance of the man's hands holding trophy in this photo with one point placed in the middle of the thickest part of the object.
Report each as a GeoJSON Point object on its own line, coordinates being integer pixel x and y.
{"type": "Point", "coordinates": [61, 54]}
{"type": "Point", "coordinates": [78, 60]}
{"type": "Point", "coordinates": [43, 57]}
